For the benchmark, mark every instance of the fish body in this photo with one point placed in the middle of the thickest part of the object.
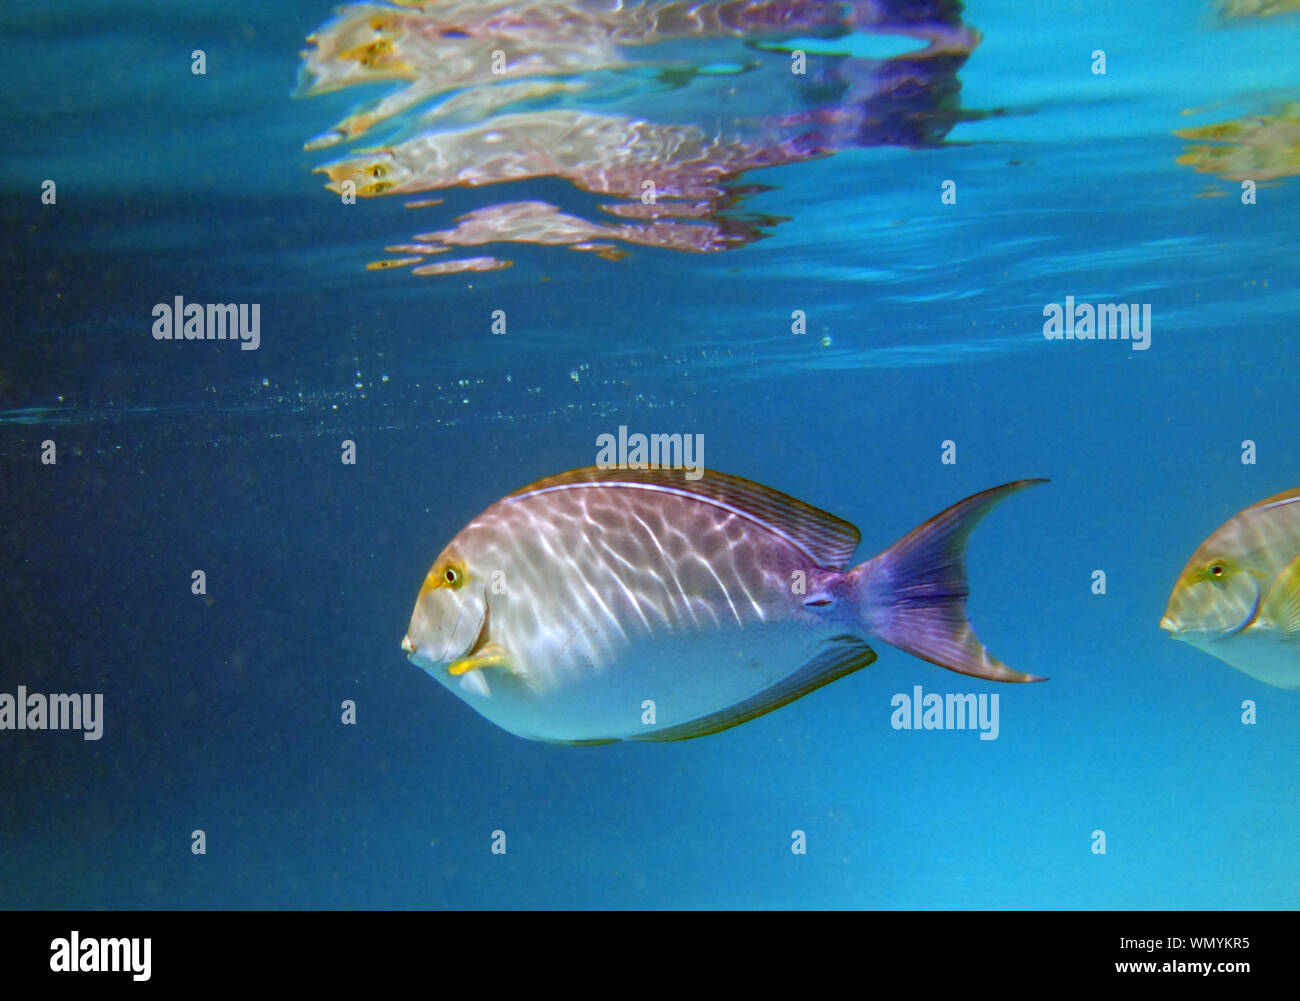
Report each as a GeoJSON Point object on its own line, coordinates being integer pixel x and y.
{"type": "Point", "coordinates": [1238, 597]}
{"type": "Point", "coordinates": [605, 605]}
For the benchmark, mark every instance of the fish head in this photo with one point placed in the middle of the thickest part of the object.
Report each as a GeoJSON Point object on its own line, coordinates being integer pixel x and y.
{"type": "Point", "coordinates": [1217, 596]}
{"type": "Point", "coordinates": [450, 613]}
{"type": "Point", "coordinates": [376, 172]}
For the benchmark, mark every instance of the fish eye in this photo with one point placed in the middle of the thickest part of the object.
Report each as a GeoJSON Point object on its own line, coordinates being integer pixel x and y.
{"type": "Point", "coordinates": [1216, 572]}
{"type": "Point", "coordinates": [451, 576]}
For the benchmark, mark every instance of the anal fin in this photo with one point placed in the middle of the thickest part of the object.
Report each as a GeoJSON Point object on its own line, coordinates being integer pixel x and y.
{"type": "Point", "coordinates": [838, 657]}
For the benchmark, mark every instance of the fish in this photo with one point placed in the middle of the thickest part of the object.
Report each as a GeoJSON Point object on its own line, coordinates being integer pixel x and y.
{"type": "Point", "coordinates": [1238, 597]}
{"type": "Point", "coordinates": [602, 604]}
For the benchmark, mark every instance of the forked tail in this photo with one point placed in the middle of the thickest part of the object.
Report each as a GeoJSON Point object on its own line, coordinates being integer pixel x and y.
{"type": "Point", "coordinates": [913, 595]}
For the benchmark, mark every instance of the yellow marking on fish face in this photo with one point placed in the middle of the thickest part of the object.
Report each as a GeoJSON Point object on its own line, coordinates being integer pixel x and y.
{"type": "Point", "coordinates": [449, 618]}
{"type": "Point", "coordinates": [1223, 131]}
{"type": "Point", "coordinates": [371, 176]}
{"type": "Point", "coordinates": [1217, 595]}
{"type": "Point", "coordinates": [1215, 571]}
{"type": "Point", "coordinates": [1220, 571]}
{"type": "Point", "coordinates": [377, 54]}
{"type": "Point", "coordinates": [377, 186]}
{"type": "Point", "coordinates": [445, 573]}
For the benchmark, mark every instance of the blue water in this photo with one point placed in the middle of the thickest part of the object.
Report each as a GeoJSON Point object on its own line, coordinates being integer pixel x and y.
{"type": "Point", "coordinates": [924, 324]}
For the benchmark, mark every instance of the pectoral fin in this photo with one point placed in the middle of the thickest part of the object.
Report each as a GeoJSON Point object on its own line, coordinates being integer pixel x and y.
{"type": "Point", "coordinates": [488, 655]}
{"type": "Point", "coordinates": [1282, 607]}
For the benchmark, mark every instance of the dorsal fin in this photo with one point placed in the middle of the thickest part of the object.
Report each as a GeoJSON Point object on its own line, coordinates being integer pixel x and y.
{"type": "Point", "coordinates": [1277, 500]}
{"type": "Point", "coordinates": [828, 541]}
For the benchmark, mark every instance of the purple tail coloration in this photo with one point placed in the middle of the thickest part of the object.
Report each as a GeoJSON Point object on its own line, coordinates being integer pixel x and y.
{"type": "Point", "coordinates": [913, 595]}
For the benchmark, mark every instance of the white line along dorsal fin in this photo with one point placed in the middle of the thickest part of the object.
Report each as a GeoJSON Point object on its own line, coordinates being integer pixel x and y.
{"type": "Point", "coordinates": [1277, 500]}
{"type": "Point", "coordinates": [828, 541]}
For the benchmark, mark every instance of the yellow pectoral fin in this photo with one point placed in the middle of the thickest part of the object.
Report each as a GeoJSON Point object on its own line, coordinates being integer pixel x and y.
{"type": "Point", "coordinates": [490, 655]}
{"type": "Point", "coordinates": [1282, 607]}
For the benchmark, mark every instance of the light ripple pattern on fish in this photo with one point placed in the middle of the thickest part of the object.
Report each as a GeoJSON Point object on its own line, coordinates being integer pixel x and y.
{"type": "Point", "coordinates": [566, 608]}
{"type": "Point", "coordinates": [1238, 597]}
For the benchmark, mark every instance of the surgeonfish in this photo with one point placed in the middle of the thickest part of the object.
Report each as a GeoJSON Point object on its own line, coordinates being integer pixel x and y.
{"type": "Point", "coordinates": [605, 604]}
{"type": "Point", "coordinates": [1238, 598]}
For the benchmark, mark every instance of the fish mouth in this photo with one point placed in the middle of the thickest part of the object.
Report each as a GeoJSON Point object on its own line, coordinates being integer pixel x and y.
{"type": "Point", "coordinates": [447, 644]}
{"type": "Point", "coordinates": [1179, 632]}
{"type": "Point", "coordinates": [416, 657]}
{"type": "Point", "coordinates": [1187, 634]}
{"type": "Point", "coordinates": [413, 653]}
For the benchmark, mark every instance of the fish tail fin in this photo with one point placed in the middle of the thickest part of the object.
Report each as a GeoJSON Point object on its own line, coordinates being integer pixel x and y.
{"type": "Point", "coordinates": [913, 595]}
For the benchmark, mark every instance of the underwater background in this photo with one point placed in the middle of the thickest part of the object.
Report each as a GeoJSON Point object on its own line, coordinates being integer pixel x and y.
{"type": "Point", "coordinates": [781, 199]}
